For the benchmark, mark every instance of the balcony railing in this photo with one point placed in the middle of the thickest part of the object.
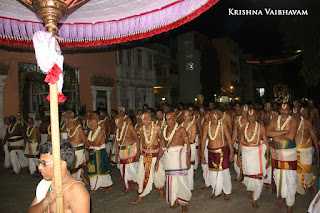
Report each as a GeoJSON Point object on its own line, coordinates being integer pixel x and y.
{"type": "Point", "coordinates": [134, 73]}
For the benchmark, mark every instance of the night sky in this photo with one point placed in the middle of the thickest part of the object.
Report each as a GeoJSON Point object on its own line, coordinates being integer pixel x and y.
{"type": "Point", "coordinates": [255, 34]}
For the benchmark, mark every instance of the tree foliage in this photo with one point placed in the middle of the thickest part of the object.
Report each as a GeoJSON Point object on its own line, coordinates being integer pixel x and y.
{"type": "Point", "coordinates": [303, 33]}
{"type": "Point", "coordinates": [210, 74]}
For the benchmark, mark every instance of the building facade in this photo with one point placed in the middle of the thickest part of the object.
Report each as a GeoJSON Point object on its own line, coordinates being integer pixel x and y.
{"type": "Point", "coordinates": [23, 88]}
{"type": "Point", "coordinates": [190, 45]}
{"type": "Point", "coordinates": [136, 77]}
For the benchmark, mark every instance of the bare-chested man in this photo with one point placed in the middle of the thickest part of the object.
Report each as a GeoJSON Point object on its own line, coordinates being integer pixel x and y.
{"type": "Point", "coordinates": [304, 138]}
{"type": "Point", "coordinates": [239, 124]}
{"type": "Point", "coordinates": [138, 120]}
{"type": "Point", "coordinates": [63, 127]}
{"type": "Point", "coordinates": [269, 114]}
{"type": "Point", "coordinates": [314, 116]}
{"type": "Point", "coordinates": [16, 139]}
{"type": "Point", "coordinates": [75, 196]}
{"type": "Point", "coordinates": [122, 112]}
{"type": "Point", "coordinates": [283, 131]}
{"type": "Point", "coordinates": [204, 166]}
{"type": "Point", "coordinates": [225, 118]}
{"type": "Point", "coordinates": [175, 147]}
{"type": "Point", "coordinates": [191, 130]}
{"type": "Point", "coordinates": [43, 128]}
{"type": "Point", "coordinates": [96, 115]}
{"type": "Point", "coordinates": [160, 119]}
{"type": "Point", "coordinates": [31, 150]}
{"type": "Point", "coordinates": [128, 152]}
{"type": "Point", "coordinates": [179, 115]}
{"type": "Point", "coordinates": [253, 146]}
{"type": "Point", "coordinates": [77, 139]}
{"type": "Point", "coordinates": [149, 139]}
{"type": "Point", "coordinates": [97, 158]}
{"type": "Point", "coordinates": [220, 155]}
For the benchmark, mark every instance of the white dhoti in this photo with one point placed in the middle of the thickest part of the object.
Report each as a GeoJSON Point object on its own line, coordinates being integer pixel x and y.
{"type": "Point", "coordinates": [254, 168]}
{"type": "Point", "coordinates": [109, 144]}
{"type": "Point", "coordinates": [44, 138]}
{"type": "Point", "coordinates": [79, 162]}
{"type": "Point", "coordinates": [101, 181]}
{"type": "Point", "coordinates": [314, 206]}
{"type": "Point", "coordinates": [205, 167]}
{"type": "Point", "coordinates": [177, 179]}
{"type": "Point", "coordinates": [7, 162]}
{"type": "Point", "coordinates": [32, 153]}
{"type": "Point", "coordinates": [220, 180]}
{"type": "Point", "coordinates": [64, 135]}
{"type": "Point", "coordinates": [287, 180]}
{"type": "Point", "coordinates": [284, 163]}
{"type": "Point", "coordinates": [194, 154]}
{"type": "Point", "coordinates": [99, 168]}
{"type": "Point", "coordinates": [17, 158]}
{"type": "Point", "coordinates": [235, 166]}
{"type": "Point", "coordinates": [305, 177]}
{"type": "Point", "coordinates": [147, 175]}
{"type": "Point", "coordinates": [194, 163]}
{"type": "Point", "coordinates": [128, 165]}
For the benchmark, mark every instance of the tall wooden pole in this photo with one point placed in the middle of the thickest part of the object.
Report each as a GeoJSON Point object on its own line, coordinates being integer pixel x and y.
{"type": "Point", "coordinates": [51, 11]}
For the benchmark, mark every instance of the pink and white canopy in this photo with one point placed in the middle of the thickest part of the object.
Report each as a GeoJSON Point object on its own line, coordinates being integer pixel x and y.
{"type": "Point", "coordinates": [100, 22]}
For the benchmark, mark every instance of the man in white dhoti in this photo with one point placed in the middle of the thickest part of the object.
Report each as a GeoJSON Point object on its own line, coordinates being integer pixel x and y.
{"type": "Point", "coordinates": [176, 162]}
{"type": "Point", "coordinates": [97, 158]}
{"type": "Point", "coordinates": [43, 128]}
{"type": "Point", "coordinates": [204, 166]}
{"type": "Point", "coordinates": [31, 149]}
{"type": "Point", "coordinates": [220, 155]}
{"type": "Point", "coordinates": [253, 146]}
{"type": "Point", "coordinates": [77, 139]}
{"type": "Point", "coordinates": [304, 139]}
{"type": "Point", "coordinates": [127, 153]}
{"type": "Point", "coordinates": [16, 138]}
{"type": "Point", "coordinates": [239, 124]}
{"type": "Point", "coordinates": [283, 131]}
{"type": "Point", "coordinates": [149, 140]}
{"type": "Point", "coordinates": [191, 130]}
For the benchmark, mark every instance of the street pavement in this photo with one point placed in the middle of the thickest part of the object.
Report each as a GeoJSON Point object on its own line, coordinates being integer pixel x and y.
{"type": "Point", "coordinates": [17, 192]}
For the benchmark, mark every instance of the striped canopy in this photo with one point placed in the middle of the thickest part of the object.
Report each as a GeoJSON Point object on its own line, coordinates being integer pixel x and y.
{"type": "Point", "coordinates": [99, 22]}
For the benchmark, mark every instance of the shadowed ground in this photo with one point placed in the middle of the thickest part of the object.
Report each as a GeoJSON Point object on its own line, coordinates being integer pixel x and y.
{"type": "Point", "coordinates": [17, 192]}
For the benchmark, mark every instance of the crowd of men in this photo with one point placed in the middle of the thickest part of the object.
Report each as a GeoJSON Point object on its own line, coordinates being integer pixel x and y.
{"type": "Point", "coordinates": [270, 146]}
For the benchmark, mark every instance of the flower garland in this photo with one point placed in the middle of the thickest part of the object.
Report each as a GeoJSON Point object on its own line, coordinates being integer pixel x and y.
{"type": "Point", "coordinates": [162, 124]}
{"type": "Point", "coordinates": [239, 120]}
{"type": "Point", "coordinates": [28, 135]}
{"type": "Point", "coordinates": [92, 137]}
{"type": "Point", "coordinates": [216, 132]}
{"type": "Point", "coordinates": [179, 113]}
{"type": "Point", "coordinates": [75, 131]}
{"type": "Point", "coordinates": [13, 128]}
{"type": "Point", "coordinates": [84, 124]}
{"type": "Point", "coordinates": [121, 134]}
{"type": "Point", "coordinates": [169, 139]}
{"type": "Point", "coordinates": [63, 125]}
{"type": "Point", "coordinates": [301, 124]}
{"type": "Point", "coordinates": [104, 120]}
{"type": "Point", "coordinates": [189, 125]}
{"type": "Point", "coordinates": [151, 133]}
{"type": "Point", "coordinates": [254, 133]}
{"type": "Point", "coordinates": [222, 119]}
{"type": "Point", "coordinates": [284, 124]}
